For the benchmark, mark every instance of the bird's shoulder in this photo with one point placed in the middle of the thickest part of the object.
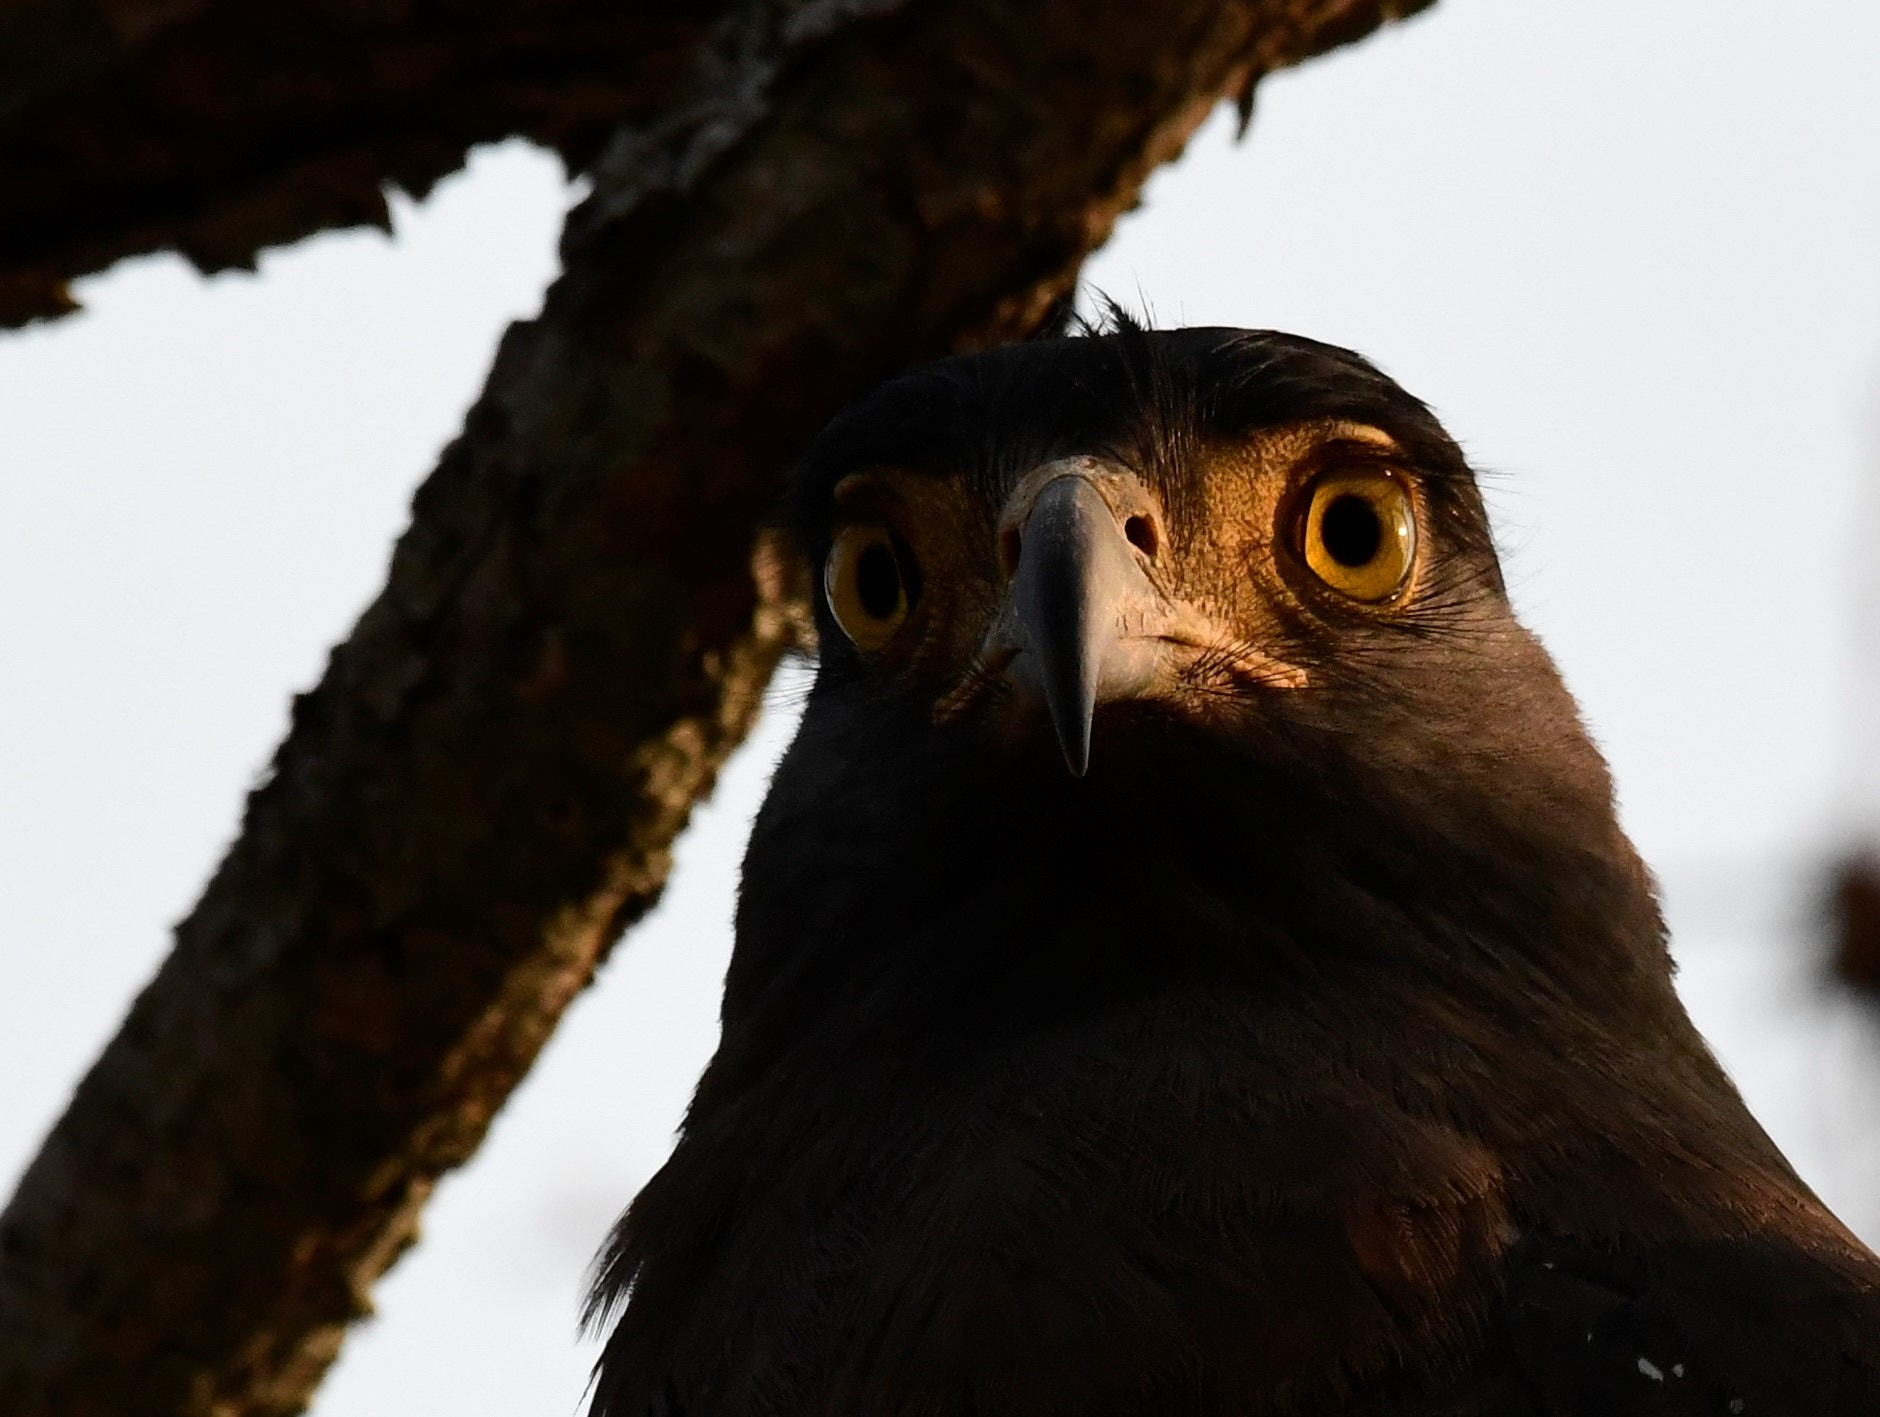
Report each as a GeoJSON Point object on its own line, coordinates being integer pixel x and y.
{"type": "Point", "coordinates": [1780, 1320]}
{"type": "Point", "coordinates": [1171, 1226]}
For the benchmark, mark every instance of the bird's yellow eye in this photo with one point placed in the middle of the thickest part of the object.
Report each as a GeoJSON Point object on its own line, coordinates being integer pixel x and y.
{"type": "Point", "coordinates": [1361, 534]}
{"type": "Point", "coordinates": [866, 585]}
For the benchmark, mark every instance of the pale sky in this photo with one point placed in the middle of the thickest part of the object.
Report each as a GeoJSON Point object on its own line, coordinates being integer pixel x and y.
{"type": "Point", "coordinates": [1630, 253]}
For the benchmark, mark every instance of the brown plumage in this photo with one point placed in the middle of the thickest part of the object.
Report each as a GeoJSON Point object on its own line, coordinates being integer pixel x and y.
{"type": "Point", "coordinates": [1188, 962]}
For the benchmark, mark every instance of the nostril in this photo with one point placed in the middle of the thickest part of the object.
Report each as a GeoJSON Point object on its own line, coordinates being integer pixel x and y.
{"type": "Point", "coordinates": [1010, 545]}
{"type": "Point", "coordinates": [1141, 534]}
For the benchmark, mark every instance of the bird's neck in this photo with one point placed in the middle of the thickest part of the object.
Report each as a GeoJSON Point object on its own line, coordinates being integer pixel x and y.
{"type": "Point", "coordinates": [970, 894]}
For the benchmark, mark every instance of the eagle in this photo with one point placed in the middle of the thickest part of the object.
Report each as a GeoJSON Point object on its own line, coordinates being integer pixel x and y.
{"type": "Point", "coordinates": [1188, 963]}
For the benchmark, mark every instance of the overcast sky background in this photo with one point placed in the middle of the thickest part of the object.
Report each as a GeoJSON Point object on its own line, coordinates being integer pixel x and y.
{"type": "Point", "coordinates": [1631, 255]}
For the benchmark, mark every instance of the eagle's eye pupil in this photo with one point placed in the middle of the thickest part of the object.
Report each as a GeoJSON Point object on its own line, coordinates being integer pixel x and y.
{"type": "Point", "coordinates": [1351, 530]}
{"type": "Point", "coordinates": [878, 581]}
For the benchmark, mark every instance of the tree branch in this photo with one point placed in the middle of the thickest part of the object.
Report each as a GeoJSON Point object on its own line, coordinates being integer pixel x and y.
{"type": "Point", "coordinates": [217, 128]}
{"type": "Point", "coordinates": [577, 629]}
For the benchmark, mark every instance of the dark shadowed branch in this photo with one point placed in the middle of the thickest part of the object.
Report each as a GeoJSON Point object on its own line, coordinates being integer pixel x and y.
{"type": "Point", "coordinates": [218, 128]}
{"type": "Point", "coordinates": [484, 789]}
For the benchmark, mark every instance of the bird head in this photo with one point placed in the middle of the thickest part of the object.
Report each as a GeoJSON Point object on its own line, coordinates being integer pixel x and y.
{"type": "Point", "coordinates": [1176, 621]}
{"type": "Point", "coordinates": [1228, 528]}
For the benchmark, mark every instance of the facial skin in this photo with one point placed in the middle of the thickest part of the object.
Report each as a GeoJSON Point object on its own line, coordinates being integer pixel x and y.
{"type": "Point", "coordinates": [1083, 595]}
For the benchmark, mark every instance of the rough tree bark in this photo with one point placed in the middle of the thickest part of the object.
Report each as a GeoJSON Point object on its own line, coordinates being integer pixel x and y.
{"type": "Point", "coordinates": [577, 629]}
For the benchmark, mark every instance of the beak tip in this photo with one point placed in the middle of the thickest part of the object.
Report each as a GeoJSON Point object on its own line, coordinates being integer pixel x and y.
{"type": "Point", "coordinates": [1076, 746]}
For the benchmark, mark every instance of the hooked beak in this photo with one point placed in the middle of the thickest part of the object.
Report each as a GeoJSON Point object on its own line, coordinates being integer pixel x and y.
{"type": "Point", "coordinates": [1083, 623]}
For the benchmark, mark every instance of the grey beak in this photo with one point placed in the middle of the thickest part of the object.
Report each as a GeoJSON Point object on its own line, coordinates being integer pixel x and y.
{"type": "Point", "coordinates": [1078, 588]}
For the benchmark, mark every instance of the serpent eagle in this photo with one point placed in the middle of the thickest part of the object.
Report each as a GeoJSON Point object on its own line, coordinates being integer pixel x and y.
{"type": "Point", "coordinates": [1188, 963]}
